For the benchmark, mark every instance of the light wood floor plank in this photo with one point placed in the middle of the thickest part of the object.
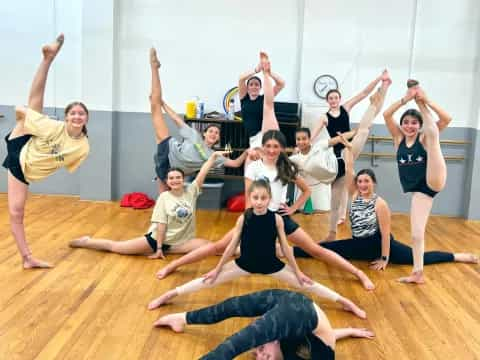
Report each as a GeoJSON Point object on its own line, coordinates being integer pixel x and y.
{"type": "Point", "coordinates": [92, 305]}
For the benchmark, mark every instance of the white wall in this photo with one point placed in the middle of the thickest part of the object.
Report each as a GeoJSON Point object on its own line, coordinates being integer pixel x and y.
{"type": "Point", "coordinates": [205, 45]}
{"type": "Point", "coordinates": [25, 26]}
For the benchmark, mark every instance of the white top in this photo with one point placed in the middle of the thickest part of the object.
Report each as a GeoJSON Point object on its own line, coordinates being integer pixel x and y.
{"type": "Point", "coordinates": [257, 170]}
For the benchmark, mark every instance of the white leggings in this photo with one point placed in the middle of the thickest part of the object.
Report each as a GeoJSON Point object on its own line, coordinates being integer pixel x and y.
{"type": "Point", "coordinates": [232, 271]}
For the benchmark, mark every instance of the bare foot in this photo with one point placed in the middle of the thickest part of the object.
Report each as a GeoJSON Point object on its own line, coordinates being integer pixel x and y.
{"type": "Point", "coordinates": [80, 242]}
{"type": "Point", "coordinates": [385, 75]}
{"type": "Point", "coordinates": [32, 263]}
{"type": "Point", "coordinates": [164, 272]}
{"type": "Point", "coordinates": [411, 83]}
{"type": "Point", "coordinates": [466, 258]}
{"type": "Point", "coordinates": [176, 322]}
{"type": "Point", "coordinates": [162, 300]}
{"type": "Point", "coordinates": [364, 279]}
{"type": "Point", "coordinates": [265, 62]}
{"type": "Point", "coordinates": [154, 62]}
{"type": "Point", "coordinates": [341, 221]}
{"type": "Point", "coordinates": [348, 305]}
{"type": "Point", "coordinates": [410, 94]}
{"type": "Point", "coordinates": [51, 50]}
{"type": "Point", "coordinates": [421, 96]}
{"type": "Point", "coordinates": [332, 235]}
{"type": "Point", "coordinates": [386, 80]}
{"type": "Point", "coordinates": [414, 278]}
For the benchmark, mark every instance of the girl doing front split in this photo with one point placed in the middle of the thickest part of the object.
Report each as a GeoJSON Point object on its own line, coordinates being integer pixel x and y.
{"type": "Point", "coordinates": [172, 228]}
{"type": "Point", "coordinates": [256, 231]}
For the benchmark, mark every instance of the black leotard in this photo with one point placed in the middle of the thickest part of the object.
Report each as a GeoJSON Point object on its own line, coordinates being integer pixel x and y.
{"type": "Point", "coordinates": [257, 244]}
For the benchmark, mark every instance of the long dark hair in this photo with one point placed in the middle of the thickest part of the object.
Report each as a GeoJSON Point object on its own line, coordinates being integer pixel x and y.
{"type": "Point", "coordinates": [286, 169]}
{"type": "Point", "coordinates": [413, 113]}
{"type": "Point", "coordinates": [82, 105]}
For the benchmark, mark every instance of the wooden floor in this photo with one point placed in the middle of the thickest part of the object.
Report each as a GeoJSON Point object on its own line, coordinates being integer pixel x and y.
{"type": "Point", "coordinates": [92, 305]}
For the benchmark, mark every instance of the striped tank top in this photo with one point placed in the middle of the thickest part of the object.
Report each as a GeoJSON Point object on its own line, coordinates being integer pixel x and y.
{"type": "Point", "coordinates": [363, 218]}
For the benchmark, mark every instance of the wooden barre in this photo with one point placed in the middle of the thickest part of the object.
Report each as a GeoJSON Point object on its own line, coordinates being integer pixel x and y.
{"type": "Point", "coordinates": [447, 142]}
{"type": "Point", "coordinates": [391, 155]}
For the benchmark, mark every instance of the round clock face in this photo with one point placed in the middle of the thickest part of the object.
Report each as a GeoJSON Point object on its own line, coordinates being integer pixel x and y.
{"type": "Point", "coordinates": [323, 84]}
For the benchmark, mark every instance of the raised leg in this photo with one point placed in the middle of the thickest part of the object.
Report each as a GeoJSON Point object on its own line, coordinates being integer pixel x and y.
{"type": "Point", "coordinates": [156, 100]}
{"type": "Point", "coordinates": [376, 103]}
{"type": "Point", "coordinates": [269, 119]}
{"type": "Point", "coordinates": [37, 90]}
{"type": "Point", "coordinates": [436, 166]}
{"type": "Point", "coordinates": [137, 246]}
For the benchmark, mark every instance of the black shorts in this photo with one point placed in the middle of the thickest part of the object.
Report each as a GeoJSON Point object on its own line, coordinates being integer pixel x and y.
{"type": "Point", "coordinates": [153, 243]}
{"type": "Point", "coordinates": [289, 224]}
{"type": "Point", "coordinates": [161, 159]}
{"type": "Point", "coordinates": [422, 187]}
{"type": "Point", "coordinates": [12, 161]}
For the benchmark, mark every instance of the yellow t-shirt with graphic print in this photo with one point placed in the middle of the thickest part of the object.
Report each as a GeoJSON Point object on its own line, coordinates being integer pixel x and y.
{"type": "Point", "coordinates": [50, 147]}
{"type": "Point", "coordinates": [178, 213]}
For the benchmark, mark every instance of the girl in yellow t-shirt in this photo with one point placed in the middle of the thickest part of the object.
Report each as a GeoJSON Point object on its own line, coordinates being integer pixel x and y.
{"type": "Point", "coordinates": [38, 146]}
{"type": "Point", "coordinates": [172, 228]}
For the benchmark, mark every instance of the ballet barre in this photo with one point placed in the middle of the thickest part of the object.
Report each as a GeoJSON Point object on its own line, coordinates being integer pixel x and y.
{"type": "Point", "coordinates": [373, 155]}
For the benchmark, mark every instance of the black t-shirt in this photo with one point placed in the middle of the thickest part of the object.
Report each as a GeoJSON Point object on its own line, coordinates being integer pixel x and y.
{"type": "Point", "coordinates": [252, 114]}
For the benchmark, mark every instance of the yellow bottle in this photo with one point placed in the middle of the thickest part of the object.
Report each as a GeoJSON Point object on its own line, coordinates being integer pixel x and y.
{"type": "Point", "coordinates": [190, 109]}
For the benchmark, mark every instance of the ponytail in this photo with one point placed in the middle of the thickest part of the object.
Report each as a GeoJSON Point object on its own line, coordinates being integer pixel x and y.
{"type": "Point", "coordinates": [286, 169]}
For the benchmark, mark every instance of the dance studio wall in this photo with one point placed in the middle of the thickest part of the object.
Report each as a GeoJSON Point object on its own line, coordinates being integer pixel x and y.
{"type": "Point", "coordinates": [205, 45]}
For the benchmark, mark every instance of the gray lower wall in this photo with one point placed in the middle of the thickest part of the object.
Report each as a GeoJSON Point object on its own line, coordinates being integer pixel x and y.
{"type": "Point", "coordinates": [121, 161]}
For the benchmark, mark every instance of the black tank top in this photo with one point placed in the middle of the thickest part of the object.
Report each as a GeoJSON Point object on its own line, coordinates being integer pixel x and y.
{"type": "Point", "coordinates": [412, 165]}
{"type": "Point", "coordinates": [257, 246]}
{"type": "Point", "coordinates": [252, 114]}
{"type": "Point", "coordinates": [338, 124]}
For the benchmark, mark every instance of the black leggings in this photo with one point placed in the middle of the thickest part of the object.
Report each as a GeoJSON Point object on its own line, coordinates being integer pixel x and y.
{"type": "Point", "coordinates": [370, 248]}
{"type": "Point", "coordinates": [283, 314]}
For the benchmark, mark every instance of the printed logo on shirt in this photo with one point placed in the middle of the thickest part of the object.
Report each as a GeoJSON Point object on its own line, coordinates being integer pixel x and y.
{"type": "Point", "coordinates": [183, 212]}
{"type": "Point", "coordinates": [411, 160]}
{"type": "Point", "coordinates": [55, 151]}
